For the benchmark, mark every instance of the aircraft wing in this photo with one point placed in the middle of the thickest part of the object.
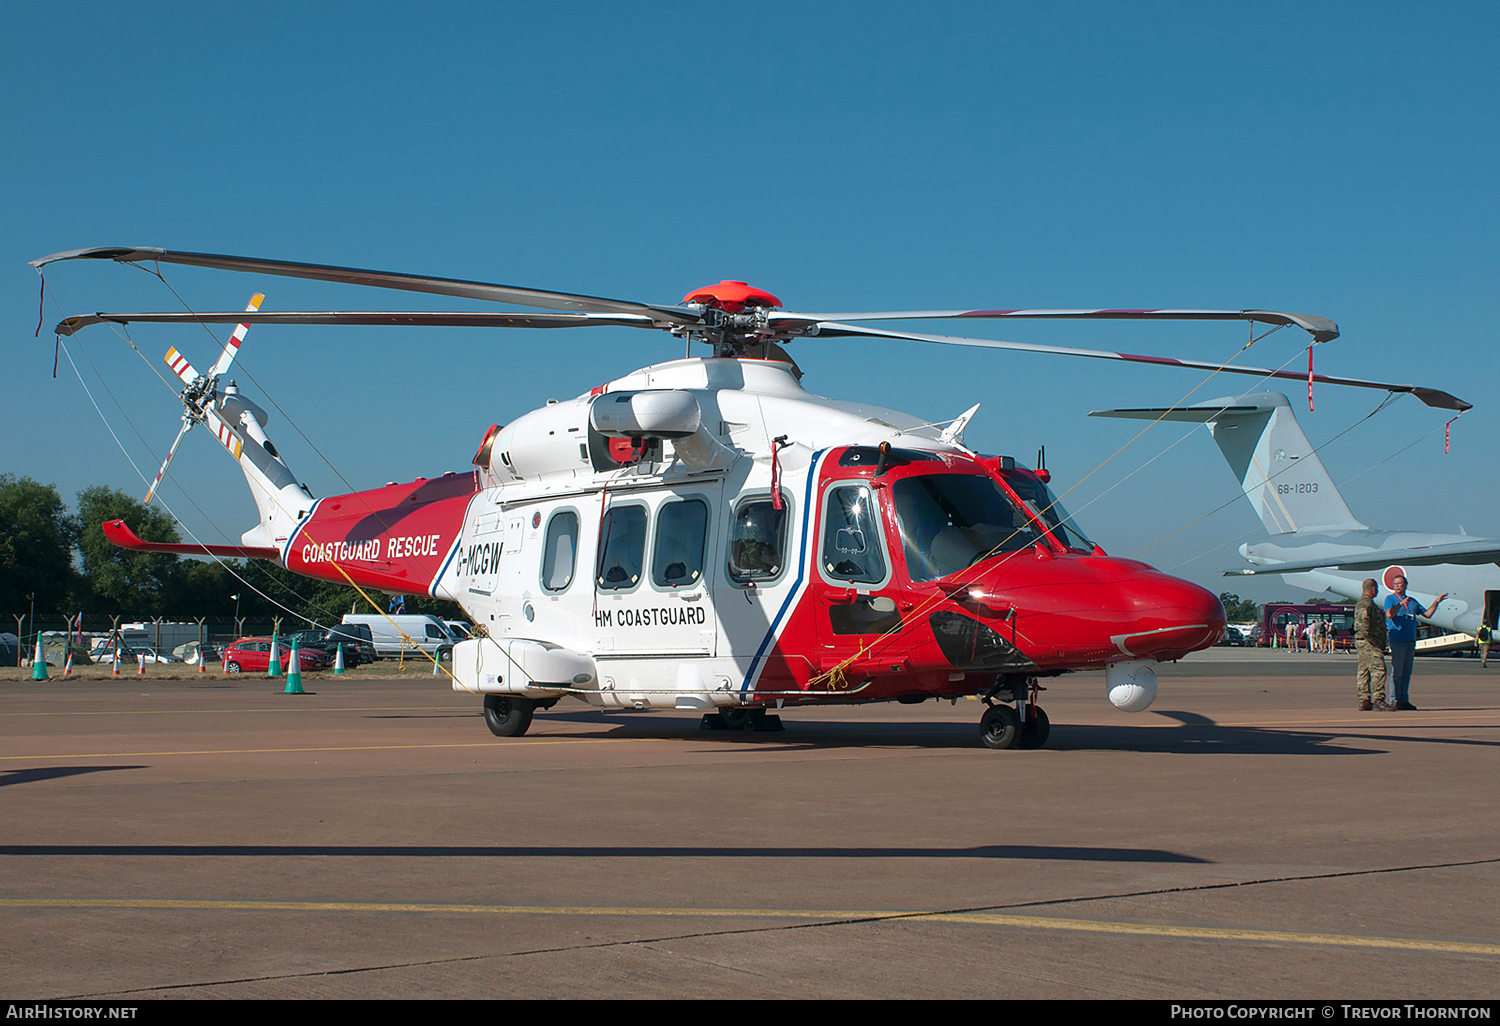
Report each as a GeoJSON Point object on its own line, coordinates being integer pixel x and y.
{"type": "Point", "coordinates": [1480, 550]}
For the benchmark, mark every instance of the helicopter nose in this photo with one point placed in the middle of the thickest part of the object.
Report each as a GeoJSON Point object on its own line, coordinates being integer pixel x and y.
{"type": "Point", "coordinates": [1173, 617]}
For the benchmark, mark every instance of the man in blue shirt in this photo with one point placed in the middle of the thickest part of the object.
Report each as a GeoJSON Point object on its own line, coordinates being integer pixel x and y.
{"type": "Point", "coordinates": [1402, 611]}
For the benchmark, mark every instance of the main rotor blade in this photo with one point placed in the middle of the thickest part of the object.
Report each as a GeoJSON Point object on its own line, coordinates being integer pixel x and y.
{"type": "Point", "coordinates": [1431, 396]}
{"type": "Point", "coordinates": [419, 318]}
{"type": "Point", "coordinates": [1321, 328]}
{"type": "Point", "coordinates": [381, 279]}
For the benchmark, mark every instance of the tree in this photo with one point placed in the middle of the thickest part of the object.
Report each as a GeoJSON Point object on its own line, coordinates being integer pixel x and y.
{"type": "Point", "coordinates": [36, 546]}
{"type": "Point", "coordinates": [1239, 610]}
{"type": "Point", "coordinates": [126, 582]}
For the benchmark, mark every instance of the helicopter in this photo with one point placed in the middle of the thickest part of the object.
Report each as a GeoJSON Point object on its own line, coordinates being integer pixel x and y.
{"type": "Point", "coordinates": [706, 534]}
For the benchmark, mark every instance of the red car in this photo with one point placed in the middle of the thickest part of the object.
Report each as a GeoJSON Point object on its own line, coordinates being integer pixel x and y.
{"type": "Point", "coordinates": [253, 655]}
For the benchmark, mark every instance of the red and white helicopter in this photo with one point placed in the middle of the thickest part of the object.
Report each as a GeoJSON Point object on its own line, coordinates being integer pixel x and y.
{"type": "Point", "coordinates": [706, 534]}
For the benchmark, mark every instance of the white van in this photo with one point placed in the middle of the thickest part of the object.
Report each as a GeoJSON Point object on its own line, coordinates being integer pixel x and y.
{"type": "Point", "coordinates": [424, 632]}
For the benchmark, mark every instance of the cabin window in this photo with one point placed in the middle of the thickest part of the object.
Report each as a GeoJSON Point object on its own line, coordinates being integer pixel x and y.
{"type": "Point", "coordinates": [952, 521]}
{"type": "Point", "coordinates": [681, 537]}
{"type": "Point", "coordinates": [622, 555]}
{"type": "Point", "coordinates": [851, 536]}
{"type": "Point", "coordinates": [757, 540]}
{"type": "Point", "coordinates": [560, 553]}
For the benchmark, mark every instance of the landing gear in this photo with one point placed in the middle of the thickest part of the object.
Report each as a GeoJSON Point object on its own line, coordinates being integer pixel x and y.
{"type": "Point", "coordinates": [1035, 730]}
{"type": "Point", "coordinates": [741, 719]}
{"type": "Point", "coordinates": [1003, 727]}
{"type": "Point", "coordinates": [999, 727]}
{"type": "Point", "coordinates": [507, 715]}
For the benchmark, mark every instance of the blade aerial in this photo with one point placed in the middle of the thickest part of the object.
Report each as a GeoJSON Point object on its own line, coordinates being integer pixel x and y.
{"type": "Point", "coordinates": [376, 318]}
{"type": "Point", "coordinates": [486, 291]}
{"type": "Point", "coordinates": [1430, 396]}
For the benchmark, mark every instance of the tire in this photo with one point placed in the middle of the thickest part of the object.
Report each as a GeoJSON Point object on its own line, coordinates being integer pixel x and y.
{"type": "Point", "coordinates": [999, 727]}
{"type": "Point", "coordinates": [738, 718]}
{"type": "Point", "coordinates": [231, 667]}
{"type": "Point", "coordinates": [1037, 728]}
{"type": "Point", "coordinates": [507, 715]}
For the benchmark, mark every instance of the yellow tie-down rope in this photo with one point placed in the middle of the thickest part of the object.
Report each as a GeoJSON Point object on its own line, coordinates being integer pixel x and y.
{"type": "Point", "coordinates": [436, 662]}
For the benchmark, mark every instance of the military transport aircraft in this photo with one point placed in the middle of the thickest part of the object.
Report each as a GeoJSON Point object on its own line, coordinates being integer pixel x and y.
{"type": "Point", "coordinates": [707, 534]}
{"type": "Point", "coordinates": [1316, 542]}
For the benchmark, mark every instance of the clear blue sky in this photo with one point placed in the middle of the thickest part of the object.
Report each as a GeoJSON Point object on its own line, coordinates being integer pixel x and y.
{"type": "Point", "coordinates": [1337, 159]}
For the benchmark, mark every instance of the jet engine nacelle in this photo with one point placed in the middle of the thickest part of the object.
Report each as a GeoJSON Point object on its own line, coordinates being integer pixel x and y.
{"type": "Point", "coordinates": [1131, 686]}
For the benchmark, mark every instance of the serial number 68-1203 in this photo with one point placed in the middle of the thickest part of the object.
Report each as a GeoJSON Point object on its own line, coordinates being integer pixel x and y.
{"type": "Point", "coordinates": [1296, 489]}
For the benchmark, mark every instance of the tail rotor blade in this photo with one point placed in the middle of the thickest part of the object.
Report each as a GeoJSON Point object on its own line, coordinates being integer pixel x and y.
{"type": "Point", "coordinates": [233, 345]}
{"type": "Point", "coordinates": [187, 425]}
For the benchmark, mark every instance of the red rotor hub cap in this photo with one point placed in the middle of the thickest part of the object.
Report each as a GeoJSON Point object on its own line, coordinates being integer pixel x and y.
{"type": "Point", "coordinates": [733, 296]}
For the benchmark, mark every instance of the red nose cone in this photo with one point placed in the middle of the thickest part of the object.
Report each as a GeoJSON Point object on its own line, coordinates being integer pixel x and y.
{"type": "Point", "coordinates": [733, 296]}
{"type": "Point", "coordinates": [1175, 617]}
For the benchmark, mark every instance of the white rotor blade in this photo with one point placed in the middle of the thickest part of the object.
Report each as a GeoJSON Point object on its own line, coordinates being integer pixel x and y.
{"type": "Point", "coordinates": [180, 366]}
{"type": "Point", "coordinates": [187, 424]}
{"type": "Point", "coordinates": [1321, 328]}
{"type": "Point", "coordinates": [382, 279]}
{"type": "Point", "coordinates": [369, 318]}
{"type": "Point", "coordinates": [1431, 396]}
{"type": "Point", "coordinates": [233, 345]}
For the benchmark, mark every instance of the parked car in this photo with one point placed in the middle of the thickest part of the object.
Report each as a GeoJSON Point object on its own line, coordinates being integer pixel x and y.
{"type": "Point", "coordinates": [151, 654]}
{"type": "Point", "coordinates": [253, 655]}
{"type": "Point", "coordinates": [1233, 637]}
{"type": "Point", "coordinates": [355, 637]}
{"type": "Point", "coordinates": [189, 653]}
{"type": "Point", "coordinates": [328, 643]}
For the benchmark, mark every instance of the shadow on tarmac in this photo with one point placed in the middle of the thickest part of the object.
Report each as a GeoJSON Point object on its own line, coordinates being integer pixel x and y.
{"type": "Point", "coordinates": [31, 776]}
{"type": "Point", "coordinates": [989, 851]}
{"type": "Point", "coordinates": [1195, 735]}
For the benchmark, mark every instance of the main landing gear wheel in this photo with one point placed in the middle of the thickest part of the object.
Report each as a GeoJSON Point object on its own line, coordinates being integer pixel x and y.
{"type": "Point", "coordinates": [507, 715]}
{"type": "Point", "coordinates": [1034, 732]}
{"type": "Point", "coordinates": [999, 727]}
{"type": "Point", "coordinates": [735, 718]}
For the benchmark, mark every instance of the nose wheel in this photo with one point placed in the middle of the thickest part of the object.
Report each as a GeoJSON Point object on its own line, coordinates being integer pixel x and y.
{"type": "Point", "coordinates": [1004, 727]}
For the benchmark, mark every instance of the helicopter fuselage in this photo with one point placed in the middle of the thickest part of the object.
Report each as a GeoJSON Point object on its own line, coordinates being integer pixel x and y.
{"type": "Point", "coordinates": [706, 534]}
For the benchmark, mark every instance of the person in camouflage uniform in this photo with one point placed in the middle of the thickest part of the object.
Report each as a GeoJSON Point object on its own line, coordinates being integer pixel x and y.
{"type": "Point", "coordinates": [1369, 645]}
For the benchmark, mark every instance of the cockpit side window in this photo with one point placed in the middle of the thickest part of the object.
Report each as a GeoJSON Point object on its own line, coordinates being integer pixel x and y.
{"type": "Point", "coordinates": [757, 540]}
{"type": "Point", "coordinates": [1039, 498]}
{"type": "Point", "coordinates": [951, 521]}
{"type": "Point", "coordinates": [681, 537]}
{"type": "Point", "coordinates": [622, 555]}
{"type": "Point", "coordinates": [851, 536]}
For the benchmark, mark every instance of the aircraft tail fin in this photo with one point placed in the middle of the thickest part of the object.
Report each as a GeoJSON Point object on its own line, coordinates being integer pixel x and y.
{"type": "Point", "coordinates": [1264, 445]}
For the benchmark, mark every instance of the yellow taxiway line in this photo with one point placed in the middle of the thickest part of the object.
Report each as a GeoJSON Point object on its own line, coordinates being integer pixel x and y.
{"type": "Point", "coordinates": [813, 915]}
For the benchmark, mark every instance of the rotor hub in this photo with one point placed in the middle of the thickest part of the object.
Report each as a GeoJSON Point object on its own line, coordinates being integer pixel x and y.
{"type": "Point", "coordinates": [732, 297]}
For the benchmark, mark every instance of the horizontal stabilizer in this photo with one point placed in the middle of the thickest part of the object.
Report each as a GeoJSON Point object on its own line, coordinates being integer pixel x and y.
{"type": "Point", "coordinates": [120, 534]}
{"type": "Point", "coordinates": [1481, 550]}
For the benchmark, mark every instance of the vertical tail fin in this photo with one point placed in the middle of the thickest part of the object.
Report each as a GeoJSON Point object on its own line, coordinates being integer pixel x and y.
{"type": "Point", "coordinates": [1273, 460]}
